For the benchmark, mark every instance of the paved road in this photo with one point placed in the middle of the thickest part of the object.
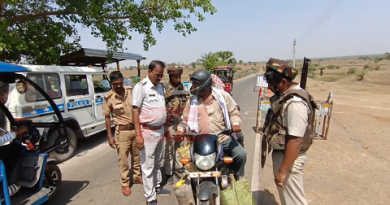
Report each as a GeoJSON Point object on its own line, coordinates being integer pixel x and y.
{"type": "Point", "coordinates": [92, 176]}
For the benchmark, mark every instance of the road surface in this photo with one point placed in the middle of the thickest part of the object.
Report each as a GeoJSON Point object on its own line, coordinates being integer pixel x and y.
{"type": "Point", "coordinates": [92, 175]}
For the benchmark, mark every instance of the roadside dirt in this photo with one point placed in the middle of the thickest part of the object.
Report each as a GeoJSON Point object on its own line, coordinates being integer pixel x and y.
{"type": "Point", "coordinates": [352, 166]}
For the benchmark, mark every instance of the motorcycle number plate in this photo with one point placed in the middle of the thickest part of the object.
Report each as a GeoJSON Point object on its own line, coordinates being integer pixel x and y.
{"type": "Point", "coordinates": [205, 174]}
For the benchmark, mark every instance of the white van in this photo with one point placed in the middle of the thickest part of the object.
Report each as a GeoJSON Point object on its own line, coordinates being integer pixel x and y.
{"type": "Point", "coordinates": [78, 93]}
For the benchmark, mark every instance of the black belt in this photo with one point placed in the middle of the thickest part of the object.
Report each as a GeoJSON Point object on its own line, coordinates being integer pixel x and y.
{"type": "Point", "coordinates": [150, 127]}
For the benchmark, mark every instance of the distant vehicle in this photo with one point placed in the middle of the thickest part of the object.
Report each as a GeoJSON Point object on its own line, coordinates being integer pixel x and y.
{"type": "Point", "coordinates": [225, 73]}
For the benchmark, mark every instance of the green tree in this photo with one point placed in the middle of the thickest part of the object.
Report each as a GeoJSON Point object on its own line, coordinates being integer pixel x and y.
{"type": "Point", "coordinates": [40, 31]}
{"type": "Point", "coordinates": [193, 64]}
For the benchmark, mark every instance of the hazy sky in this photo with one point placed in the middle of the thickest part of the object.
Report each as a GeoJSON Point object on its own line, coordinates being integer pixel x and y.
{"type": "Point", "coordinates": [256, 29]}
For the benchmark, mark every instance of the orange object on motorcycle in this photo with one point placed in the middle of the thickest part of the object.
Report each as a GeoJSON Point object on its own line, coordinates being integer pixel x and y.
{"type": "Point", "coordinates": [227, 160]}
{"type": "Point", "coordinates": [185, 161]}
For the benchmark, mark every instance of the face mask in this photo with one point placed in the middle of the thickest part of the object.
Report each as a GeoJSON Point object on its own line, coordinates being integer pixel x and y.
{"type": "Point", "coordinates": [276, 90]}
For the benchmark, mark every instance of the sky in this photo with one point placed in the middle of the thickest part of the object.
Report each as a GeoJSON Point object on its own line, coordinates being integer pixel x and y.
{"type": "Point", "coordinates": [255, 30]}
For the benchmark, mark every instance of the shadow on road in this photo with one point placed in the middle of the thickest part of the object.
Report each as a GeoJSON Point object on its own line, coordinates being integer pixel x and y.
{"type": "Point", "coordinates": [68, 190]}
{"type": "Point", "coordinates": [86, 144]}
{"type": "Point", "coordinates": [265, 197]}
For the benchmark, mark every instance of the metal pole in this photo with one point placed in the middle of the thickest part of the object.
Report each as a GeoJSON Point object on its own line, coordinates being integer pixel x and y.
{"type": "Point", "coordinates": [305, 70]}
{"type": "Point", "coordinates": [295, 42]}
{"type": "Point", "coordinates": [139, 68]}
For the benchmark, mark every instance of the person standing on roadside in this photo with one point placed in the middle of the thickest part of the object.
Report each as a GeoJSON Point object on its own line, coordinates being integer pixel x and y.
{"type": "Point", "coordinates": [288, 130]}
{"type": "Point", "coordinates": [117, 103]}
{"type": "Point", "coordinates": [175, 100]}
{"type": "Point", "coordinates": [149, 114]}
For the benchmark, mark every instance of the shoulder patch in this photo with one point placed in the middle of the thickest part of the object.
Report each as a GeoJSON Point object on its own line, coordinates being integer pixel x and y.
{"type": "Point", "coordinates": [141, 83]}
{"type": "Point", "coordinates": [127, 87]}
{"type": "Point", "coordinates": [108, 94]}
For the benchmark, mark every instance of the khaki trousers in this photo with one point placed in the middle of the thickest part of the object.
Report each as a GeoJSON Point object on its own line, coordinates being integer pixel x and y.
{"type": "Point", "coordinates": [293, 192]}
{"type": "Point", "coordinates": [171, 155]}
{"type": "Point", "coordinates": [125, 144]}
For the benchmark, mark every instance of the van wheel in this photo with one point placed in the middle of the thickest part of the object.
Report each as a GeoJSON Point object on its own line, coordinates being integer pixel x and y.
{"type": "Point", "coordinates": [72, 140]}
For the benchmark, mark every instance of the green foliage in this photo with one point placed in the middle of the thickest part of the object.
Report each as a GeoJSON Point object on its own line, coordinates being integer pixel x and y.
{"type": "Point", "coordinates": [220, 58]}
{"type": "Point", "coordinates": [42, 30]}
{"type": "Point", "coordinates": [366, 66]}
{"type": "Point", "coordinates": [351, 71]}
{"type": "Point", "coordinates": [360, 75]}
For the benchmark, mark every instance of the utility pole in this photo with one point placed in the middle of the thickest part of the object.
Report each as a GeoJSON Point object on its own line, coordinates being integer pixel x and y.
{"type": "Point", "coordinates": [294, 43]}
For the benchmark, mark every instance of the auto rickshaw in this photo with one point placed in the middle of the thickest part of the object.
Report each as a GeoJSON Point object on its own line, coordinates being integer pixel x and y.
{"type": "Point", "coordinates": [38, 177]}
{"type": "Point", "coordinates": [225, 73]}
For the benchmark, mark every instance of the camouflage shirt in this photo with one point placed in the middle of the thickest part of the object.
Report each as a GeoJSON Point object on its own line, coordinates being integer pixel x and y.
{"type": "Point", "coordinates": [175, 98]}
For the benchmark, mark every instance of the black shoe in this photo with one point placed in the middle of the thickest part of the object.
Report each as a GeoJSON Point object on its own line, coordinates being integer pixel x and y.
{"type": "Point", "coordinates": [154, 202]}
{"type": "Point", "coordinates": [162, 192]}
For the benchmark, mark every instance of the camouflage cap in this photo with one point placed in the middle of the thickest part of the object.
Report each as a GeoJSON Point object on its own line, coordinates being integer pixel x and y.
{"type": "Point", "coordinates": [174, 70]}
{"type": "Point", "coordinates": [282, 67]}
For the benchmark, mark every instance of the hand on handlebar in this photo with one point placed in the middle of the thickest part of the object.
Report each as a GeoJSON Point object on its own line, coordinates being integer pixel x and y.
{"type": "Point", "coordinates": [20, 132]}
{"type": "Point", "coordinates": [236, 128]}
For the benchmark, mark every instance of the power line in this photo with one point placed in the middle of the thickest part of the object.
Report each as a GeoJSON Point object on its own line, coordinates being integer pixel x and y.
{"type": "Point", "coordinates": [332, 8]}
{"type": "Point", "coordinates": [318, 18]}
{"type": "Point", "coordinates": [331, 12]}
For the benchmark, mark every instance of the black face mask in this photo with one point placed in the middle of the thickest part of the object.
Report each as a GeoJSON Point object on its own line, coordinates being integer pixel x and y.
{"type": "Point", "coordinates": [276, 90]}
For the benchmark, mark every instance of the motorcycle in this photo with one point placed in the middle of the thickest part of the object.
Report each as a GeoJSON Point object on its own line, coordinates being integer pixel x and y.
{"type": "Point", "coordinates": [38, 176]}
{"type": "Point", "coordinates": [213, 172]}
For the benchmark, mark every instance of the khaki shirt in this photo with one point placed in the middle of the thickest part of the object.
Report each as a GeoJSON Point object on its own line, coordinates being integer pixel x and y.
{"type": "Point", "coordinates": [211, 119]}
{"type": "Point", "coordinates": [120, 108]}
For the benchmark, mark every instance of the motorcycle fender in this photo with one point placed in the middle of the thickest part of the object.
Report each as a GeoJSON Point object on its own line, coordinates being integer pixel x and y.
{"type": "Point", "coordinates": [50, 160]}
{"type": "Point", "coordinates": [205, 190]}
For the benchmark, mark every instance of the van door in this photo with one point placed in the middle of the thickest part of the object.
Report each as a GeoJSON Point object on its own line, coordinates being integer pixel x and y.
{"type": "Point", "coordinates": [79, 98]}
{"type": "Point", "coordinates": [101, 85]}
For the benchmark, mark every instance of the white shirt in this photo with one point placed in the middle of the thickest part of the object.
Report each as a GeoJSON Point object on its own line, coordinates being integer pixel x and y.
{"type": "Point", "coordinates": [151, 102]}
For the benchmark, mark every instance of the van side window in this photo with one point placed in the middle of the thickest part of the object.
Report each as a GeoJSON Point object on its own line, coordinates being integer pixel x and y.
{"type": "Point", "coordinates": [76, 85]}
{"type": "Point", "coordinates": [101, 84]}
{"type": "Point", "coordinates": [50, 83]}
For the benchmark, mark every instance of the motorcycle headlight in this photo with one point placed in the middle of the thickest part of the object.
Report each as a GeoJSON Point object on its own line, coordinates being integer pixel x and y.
{"type": "Point", "coordinates": [205, 162]}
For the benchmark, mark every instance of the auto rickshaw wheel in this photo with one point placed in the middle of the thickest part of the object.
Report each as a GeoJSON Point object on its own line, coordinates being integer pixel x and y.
{"type": "Point", "coordinates": [54, 183]}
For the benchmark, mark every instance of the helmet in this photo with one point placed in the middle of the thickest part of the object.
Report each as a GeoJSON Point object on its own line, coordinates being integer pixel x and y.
{"type": "Point", "coordinates": [203, 80]}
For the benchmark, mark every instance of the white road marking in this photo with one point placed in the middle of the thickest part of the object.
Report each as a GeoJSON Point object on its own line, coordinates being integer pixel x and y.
{"type": "Point", "coordinates": [255, 185]}
{"type": "Point", "coordinates": [251, 118]}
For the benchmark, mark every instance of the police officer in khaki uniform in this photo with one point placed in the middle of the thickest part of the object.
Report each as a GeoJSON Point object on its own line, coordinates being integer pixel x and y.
{"type": "Point", "coordinates": [175, 99]}
{"type": "Point", "coordinates": [288, 130]}
{"type": "Point", "coordinates": [117, 103]}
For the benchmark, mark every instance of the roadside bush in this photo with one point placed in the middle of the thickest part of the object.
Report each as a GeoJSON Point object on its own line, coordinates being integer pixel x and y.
{"type": "Point", "coordinates": [366, 66]}
{"type": "Point", "coordinates": [360, 76]}
{"type": "Point", "coordinates": [351, 71]}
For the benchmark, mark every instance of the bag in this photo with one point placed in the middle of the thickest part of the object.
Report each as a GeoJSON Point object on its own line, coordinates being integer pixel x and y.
{"type": "Point", "coordinates": [239, 193]}
{"type": "Point", "coordinates": [184, 152]}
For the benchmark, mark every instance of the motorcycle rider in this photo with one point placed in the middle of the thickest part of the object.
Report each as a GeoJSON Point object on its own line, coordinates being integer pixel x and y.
{"type": "Point", "coordinates": [218, 83]}
{"type": "Point", "coordinates": [203, 110]}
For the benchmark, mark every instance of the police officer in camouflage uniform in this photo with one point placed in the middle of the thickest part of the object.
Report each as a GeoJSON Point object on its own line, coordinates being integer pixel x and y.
{"type": "Point", "coordinates": [175, 98]}
{"type": "Point", "coordinates": [288, 130]}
